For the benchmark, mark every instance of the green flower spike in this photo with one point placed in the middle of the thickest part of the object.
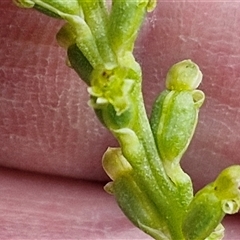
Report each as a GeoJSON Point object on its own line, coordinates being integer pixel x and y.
{"type": "Point", "coordinates": [146, 176]}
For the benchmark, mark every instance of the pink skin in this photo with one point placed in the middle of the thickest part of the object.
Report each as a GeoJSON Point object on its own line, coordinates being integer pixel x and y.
{"type": "Point", "coordinates": [47, 127]}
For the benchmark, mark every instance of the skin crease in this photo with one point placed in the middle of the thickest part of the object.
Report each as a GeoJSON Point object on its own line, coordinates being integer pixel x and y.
{"type": "Point", "coordinates": [47, 127]}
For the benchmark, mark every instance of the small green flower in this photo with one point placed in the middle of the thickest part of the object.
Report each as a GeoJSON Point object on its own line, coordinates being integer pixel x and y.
{"type": "Point", "coordinates": [111, 86]}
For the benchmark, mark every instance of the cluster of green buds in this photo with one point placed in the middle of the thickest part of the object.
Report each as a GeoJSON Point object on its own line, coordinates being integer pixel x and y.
{"type": "Point", "coordinates": [147, 179]}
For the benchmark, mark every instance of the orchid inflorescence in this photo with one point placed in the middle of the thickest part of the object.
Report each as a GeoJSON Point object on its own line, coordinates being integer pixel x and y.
{"type": "Point", "coordinates": [147, 180]}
